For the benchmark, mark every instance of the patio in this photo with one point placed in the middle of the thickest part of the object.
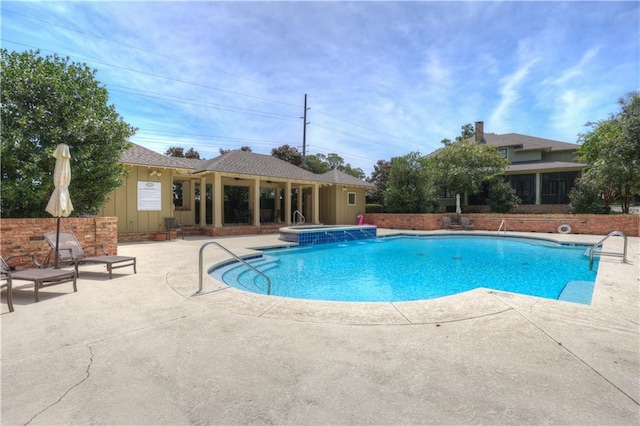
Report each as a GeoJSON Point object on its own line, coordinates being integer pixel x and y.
{"type": "Point", "coordinates": [140, 349]}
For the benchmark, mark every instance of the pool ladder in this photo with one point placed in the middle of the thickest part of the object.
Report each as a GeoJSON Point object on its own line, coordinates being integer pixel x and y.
{"type": "Point", "coordinates": [502, 224]}
{"type": "Point", "coordinates": [599, 243]}
{"type": "Point", "coordinates": [238, 258]}
{"type": "Point", "coordinates": [299, 213]}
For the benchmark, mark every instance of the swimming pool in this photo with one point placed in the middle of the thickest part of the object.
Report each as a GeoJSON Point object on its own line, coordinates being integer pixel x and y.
{"type": "Point", "coordinates": [413, 268]}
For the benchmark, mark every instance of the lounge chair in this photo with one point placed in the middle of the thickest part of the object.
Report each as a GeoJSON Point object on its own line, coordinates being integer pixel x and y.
{"type": "Point", "coordinates": [466, 224]}
{"type": "Point", "coordinates": [71, 253]}
{"type": "Point", "coordinates": [172, 225]}
{"type": "Point", "coordinates": [448, 224]}
{"type": "Point", "coordinates": [6, 283]}
{"type": "Point", "coordinates": [40, 277]}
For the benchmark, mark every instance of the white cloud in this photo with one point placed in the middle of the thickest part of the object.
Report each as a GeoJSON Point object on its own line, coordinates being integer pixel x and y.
{"type": "Point", "coordinates": [394, 77]}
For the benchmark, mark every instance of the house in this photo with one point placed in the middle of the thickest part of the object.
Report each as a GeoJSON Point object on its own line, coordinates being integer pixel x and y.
{"type": "Point", "coordinates": [238, 189]}
{"type": "Point", "coordinates": [542, 171]}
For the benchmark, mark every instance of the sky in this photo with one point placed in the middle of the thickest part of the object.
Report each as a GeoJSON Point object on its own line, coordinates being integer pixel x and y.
{"type": "Point", "coordinates": [382, 79]}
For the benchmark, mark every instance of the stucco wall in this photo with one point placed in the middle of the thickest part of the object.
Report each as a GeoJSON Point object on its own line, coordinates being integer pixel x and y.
{"type": "Point", "coordinates": [546, 223]}
{"type": "Point", "coordinates": [24, 236]}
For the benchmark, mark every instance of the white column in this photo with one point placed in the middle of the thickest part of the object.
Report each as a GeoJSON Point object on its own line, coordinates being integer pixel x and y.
{"type": "Point", "coordinates": [218, 200]}
{"type": "Point", "coordinates": [315, 202]}
{"type": "Point", "coordinates": [538, 188]}
{"type": "Point", "coordinates": [256, 202]}
{"type": "Point", "coordinates": [203, 201]}
{"type": "Point", "coordinates": [299, 206]}
{"type": "Point", "coordinates": [287, 203]}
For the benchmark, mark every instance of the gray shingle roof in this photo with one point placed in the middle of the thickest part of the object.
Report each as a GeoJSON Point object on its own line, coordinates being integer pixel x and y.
{"type": "Point", "coordinates": [239, 162]}
{"type": "Point", "coordinates": [141, 156]}
{"type": "Point", "coordinates": [341, 178]}
{"type": "Point", "coordinates": [249, 163]}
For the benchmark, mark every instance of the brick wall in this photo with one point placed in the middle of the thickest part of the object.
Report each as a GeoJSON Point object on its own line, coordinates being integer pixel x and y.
{"type": "Point", "coordinates": [24, 236]}
{"type": "Point", "coordinates": [207, 232]}
{"type": "Point", "coordinates": [544, 223]}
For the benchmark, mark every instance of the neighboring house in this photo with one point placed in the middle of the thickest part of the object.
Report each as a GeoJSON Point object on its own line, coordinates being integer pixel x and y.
{"type": "Point", "coordinates": [542, 171]}
{"type": "Point", "coordinates": [238, 188]}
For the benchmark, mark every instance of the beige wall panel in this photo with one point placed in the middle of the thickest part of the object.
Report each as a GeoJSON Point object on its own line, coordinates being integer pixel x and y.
{"type": "Point", "coordinates": [559, 156]}
{"type": "Point", "coordinates": [517, 156]}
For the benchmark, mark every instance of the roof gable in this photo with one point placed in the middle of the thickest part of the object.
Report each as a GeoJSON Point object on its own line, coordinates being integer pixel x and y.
{"type": "Point", "coordinates": [141, 156]}
{"type": "Point", "coordinates": [249, 163]}
{"type": "Point", "coordinates": [338, 177]}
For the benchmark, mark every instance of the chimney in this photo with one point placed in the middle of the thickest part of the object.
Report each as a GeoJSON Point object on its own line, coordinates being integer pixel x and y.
{"type": "Point", "coordinates": [480, 132]}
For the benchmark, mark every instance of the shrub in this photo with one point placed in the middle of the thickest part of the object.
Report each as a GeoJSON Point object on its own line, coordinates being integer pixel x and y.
{"type": "Point", "coordinates": [586, 197]}
{"type": "Point", "coordinates": [502, 197]}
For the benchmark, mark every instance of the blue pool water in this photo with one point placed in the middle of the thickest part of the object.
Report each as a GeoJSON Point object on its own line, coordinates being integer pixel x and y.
{"type": "Point", "coordinates": [413, 268]}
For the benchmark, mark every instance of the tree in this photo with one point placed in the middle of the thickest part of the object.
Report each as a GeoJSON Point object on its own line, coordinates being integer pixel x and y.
{"type": "Point", "coordinates": [410, 186]}
{"type": "Point", "coordinates": [467, 132]}
{"type": "Point", "coordinates": [355, 172]}
{"type": "Point", "coordinates": [464, 165]}
{"type": "Point", "coordinates": [379, 177]}
{"type": "Point", "coordinates": [244, 148]}
{"type": "Point", "coordinates": [289, 154]}
{"type": "Point", "coordinates": [46, 101]}
{"type": "Point", "coordinates": [316, 163]}
{"type": "Point", "coordinates": [320, 163]}
{"type": "Point", "coordinates": [176, 151]}
{"type": "Point", "coordinates": [612, 153]}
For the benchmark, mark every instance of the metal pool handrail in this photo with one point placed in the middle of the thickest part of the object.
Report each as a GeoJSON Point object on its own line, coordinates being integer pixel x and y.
{"type": "Point", "coordinates": [599, 243]}
{"type": "Point", "coordinates": [301, 216]}
{"type": "Point", "coordinates": [504, 222]}
{"type": "Point", "coordinates": [238, 258]}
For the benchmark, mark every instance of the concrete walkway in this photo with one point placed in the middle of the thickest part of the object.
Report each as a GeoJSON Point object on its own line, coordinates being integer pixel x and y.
{"type": "Point", "coordinates": [141, 349]}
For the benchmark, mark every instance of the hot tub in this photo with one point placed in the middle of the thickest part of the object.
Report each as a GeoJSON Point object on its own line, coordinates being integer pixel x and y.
{"type": "Point", "coordinates": [306, 235]}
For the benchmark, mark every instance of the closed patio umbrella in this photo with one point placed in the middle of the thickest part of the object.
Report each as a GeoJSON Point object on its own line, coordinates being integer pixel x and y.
{"type": "Point", "coordinates": [60, 202]}
{"type": "Point", "coordinates": [458, 209]}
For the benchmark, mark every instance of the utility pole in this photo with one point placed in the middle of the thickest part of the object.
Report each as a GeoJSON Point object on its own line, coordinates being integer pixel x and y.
{"type": "Point", "coordinates": [304, 131]}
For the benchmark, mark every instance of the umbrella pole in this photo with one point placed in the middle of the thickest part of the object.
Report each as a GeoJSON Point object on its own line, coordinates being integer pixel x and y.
{"type": "Point", "coordinates": [57, 243]}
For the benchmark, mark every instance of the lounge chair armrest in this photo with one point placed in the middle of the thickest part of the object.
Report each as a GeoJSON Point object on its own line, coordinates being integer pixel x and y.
{"type": "Point", "coordinates": [97, 246]}
{"type": "Point", "coordinates": [33, 257]}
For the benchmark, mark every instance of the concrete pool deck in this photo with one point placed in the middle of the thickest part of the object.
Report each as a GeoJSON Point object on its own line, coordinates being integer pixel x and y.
{"type": "Point", "coordinates": [142, 349]}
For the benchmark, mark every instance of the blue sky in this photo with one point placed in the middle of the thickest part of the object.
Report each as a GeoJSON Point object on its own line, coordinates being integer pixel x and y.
{"type": "Point", "coordinates": [383, 78]}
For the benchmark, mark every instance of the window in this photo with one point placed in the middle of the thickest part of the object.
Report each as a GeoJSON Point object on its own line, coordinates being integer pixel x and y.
{"type": "Point", "coordinates": [181, 195]}
{"type": "Point", "coordinates": [504, 152]}
{"type": "Point", "coordinates": [445, 192]}
{"type": "Point", "coordinates": [556, 187]}
{"type": "Point", "coordinates": [351, 198]}
{"type": "Point", "coordinates": [525, 186]}
{"type": "Point", "coordinates": [178, 194]}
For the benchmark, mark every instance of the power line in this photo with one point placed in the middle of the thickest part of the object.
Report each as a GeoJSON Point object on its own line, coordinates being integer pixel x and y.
{"type": "Point", "coordinates": [150, 74]}
{"type": "Point", "coordinates": [175, 99]}
{"type": "Point", "coordinates": [129, 46]}
{"type": "Point", "coordinates": [362, 126]}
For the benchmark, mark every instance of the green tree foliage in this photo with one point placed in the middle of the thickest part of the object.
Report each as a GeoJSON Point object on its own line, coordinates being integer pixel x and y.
{"type": "Point", "coordinates": [379, 177]}
{"type": "Point", "coordinates": [320, 163]}
{"type": "Point", "coordinates": [467, 132]}
{"type": "Point", "coordinates": [289, 154]}
{"type": "Point", "coordinates": [502, 197]}
{"type": "Point", "coordinates": [611, 150]}
{"type": "Point", "coordinates": [316, 163]}
{"type": "Point", "coordinates": [410, 186]}
{"type": "Point", "coordinates": [464, 165]}
{"type": "Point", "coordinates": [46, 101]}
{"type": "Point", "coordinates": [176, 151]}
{"type": "Point", "coordinates": [244, 148]}
{"type": "Point", "coordinates": [586, 197]}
